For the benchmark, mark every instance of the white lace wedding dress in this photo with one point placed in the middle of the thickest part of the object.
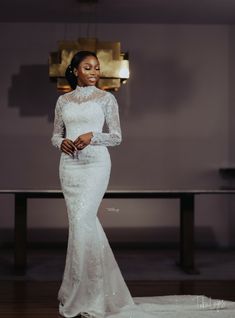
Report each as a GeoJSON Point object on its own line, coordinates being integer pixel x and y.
{"type": "Point", "coordinates": [92, 282]}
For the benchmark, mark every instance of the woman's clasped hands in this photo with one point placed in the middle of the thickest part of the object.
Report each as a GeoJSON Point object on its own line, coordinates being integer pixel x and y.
{"type": "Point", "coordinates": [69, 147]}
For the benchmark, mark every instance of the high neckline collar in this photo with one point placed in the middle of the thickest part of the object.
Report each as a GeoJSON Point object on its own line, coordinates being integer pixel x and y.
{"type": "Point", "coordinates": [85, 89]}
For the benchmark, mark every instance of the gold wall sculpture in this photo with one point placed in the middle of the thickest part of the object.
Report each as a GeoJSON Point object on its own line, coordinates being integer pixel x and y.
{"type": "Point", "coordinates": [114, 64]}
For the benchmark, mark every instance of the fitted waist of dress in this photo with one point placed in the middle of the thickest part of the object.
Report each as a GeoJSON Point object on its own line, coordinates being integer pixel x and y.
{"type": "Point", "coordinates": [91, 154]}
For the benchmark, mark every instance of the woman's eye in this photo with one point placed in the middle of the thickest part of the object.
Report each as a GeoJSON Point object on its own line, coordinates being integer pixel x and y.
{"type": "Point", "coordinates": [88, 69]}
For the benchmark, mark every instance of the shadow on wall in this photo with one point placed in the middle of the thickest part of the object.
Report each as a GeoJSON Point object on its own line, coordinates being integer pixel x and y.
{"type": "Point", "coordinates": [160, 85]}
{"type": "Point", "coordinates": [33, 92]}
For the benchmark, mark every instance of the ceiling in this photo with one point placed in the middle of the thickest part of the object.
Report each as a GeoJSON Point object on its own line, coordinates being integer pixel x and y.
{"type": "Point", "coordinates": [119, 11]}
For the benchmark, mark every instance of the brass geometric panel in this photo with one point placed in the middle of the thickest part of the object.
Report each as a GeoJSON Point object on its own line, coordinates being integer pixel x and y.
{"type": "Point", "coordinates": [114, 64]}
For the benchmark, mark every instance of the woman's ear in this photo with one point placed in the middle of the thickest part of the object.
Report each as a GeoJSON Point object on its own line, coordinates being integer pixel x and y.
{"type": "Point", "coordinates": [75, 72]}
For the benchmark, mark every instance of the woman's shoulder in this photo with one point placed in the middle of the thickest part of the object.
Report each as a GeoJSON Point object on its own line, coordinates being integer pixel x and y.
{"type": "Point", "coordinates": [103, 96]}
{"type": "Point", "coordinates": [64, 98]}
{"type": "Point", "coordinates": [108, 96]}
{"type": "Point", "coordinates": [106, 93]}
{"type": "Point", "coordinates": [101, 92]}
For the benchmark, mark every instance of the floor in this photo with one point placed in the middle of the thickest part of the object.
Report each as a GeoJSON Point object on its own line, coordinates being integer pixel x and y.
{"type": "Point", "coordinates": [136, 264]}
{"type": "Point", "coordinates": [147, 272]}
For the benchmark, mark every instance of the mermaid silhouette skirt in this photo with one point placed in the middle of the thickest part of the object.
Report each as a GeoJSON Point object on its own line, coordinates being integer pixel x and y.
{"type": "Point", "coordinates": [92, 281]}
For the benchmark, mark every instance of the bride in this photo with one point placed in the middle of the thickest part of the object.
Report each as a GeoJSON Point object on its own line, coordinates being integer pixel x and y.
{"type": "Point", "coordinates": [92, 284]}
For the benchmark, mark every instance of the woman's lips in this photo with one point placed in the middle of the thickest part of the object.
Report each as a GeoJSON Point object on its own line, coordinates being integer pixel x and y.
{"type": "Point", "coordinates": [92, 79]}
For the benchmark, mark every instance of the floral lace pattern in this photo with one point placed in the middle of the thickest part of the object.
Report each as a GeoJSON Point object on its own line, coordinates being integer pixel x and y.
{"type": "Point", "coordinates": [92, 100]}
{"type": "Point", "coordinates": [92, 284]}
{"type": "Point", "coordinates": [91, 278]}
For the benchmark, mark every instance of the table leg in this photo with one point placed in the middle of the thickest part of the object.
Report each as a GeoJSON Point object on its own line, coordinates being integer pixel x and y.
{"type": "Point", "coordinates": [187, 234]}
{"type": "Point", "coordinates": [20, 232]}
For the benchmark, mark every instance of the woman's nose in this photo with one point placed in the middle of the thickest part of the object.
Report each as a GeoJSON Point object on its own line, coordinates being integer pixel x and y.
{"type": "Point", "coordinates": [94, 71]}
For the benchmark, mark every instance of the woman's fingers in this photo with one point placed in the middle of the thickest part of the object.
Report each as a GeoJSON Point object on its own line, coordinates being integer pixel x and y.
{"type": "Point", "coordinates": [83, 140]}
{"type": "Point", "coordinates": [77, 142]}
{"type": "Point", "coordinates": [68, 147]}
{"type": "Point", "coordinates": [80, 143]}
{"type": "Point", "coordinates": [67, 152]}
{"type": "Point", "coordinates": [70, 144]}
{"type": "Point", "coordinates": [65, 148]}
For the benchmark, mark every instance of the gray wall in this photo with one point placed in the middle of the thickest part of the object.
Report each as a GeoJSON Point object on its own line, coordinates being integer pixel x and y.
{"type": "Point", "coordinates": [175, 111]}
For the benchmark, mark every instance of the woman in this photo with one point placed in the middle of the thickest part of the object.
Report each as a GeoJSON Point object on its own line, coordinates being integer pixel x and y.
{"type": "Point", "coordinates": [92, 284]}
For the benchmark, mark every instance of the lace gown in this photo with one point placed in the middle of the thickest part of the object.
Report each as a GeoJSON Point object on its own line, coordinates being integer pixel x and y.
{"type": "Point", "coordinates": [92, 282]}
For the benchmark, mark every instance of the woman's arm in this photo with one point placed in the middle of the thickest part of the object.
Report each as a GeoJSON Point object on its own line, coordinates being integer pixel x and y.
{"type": "Point", "coordinates": [59, 128]}
{"type": "Point", "coordinates": [114, 136]}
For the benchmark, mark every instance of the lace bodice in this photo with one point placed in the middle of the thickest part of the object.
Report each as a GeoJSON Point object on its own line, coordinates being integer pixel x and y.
{"type": "Point", "coordinates": [83, 110]}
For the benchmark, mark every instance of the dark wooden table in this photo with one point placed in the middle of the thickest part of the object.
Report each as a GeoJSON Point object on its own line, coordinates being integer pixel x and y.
{"type": "Point", "coordinates": [186, 197]}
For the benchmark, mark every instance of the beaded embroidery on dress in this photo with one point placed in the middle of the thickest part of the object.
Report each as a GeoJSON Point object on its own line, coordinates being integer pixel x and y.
{"type": "Point", "coordinates": [92, 283]}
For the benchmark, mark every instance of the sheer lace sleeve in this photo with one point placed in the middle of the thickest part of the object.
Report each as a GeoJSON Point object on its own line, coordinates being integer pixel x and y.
{"type": "Point", "coordinates": [114, 136]}
{"type": "Point", "coordinates": [59, 128]}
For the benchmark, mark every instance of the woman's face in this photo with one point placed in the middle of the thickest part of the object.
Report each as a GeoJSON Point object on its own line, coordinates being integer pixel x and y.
{"type": "Point", "coordinates": [88, 71]}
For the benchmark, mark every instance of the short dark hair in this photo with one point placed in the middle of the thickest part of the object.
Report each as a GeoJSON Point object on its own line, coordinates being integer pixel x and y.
{"type": "Point", "coordinates": [76, 60]}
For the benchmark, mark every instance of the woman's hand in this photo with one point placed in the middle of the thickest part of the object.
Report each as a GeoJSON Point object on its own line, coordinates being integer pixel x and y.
{"type": "Point", "coordinates": [68, 146]}
{"type": "Point", "coordinates": [83, 140]}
